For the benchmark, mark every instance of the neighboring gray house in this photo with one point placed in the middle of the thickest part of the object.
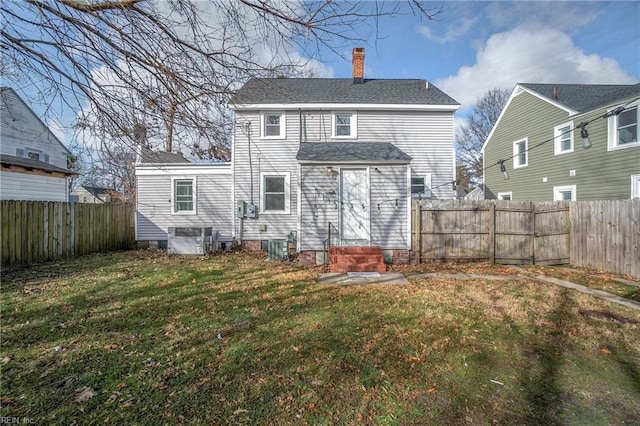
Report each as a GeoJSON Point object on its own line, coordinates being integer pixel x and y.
{"type": "Point", "coordinates": [349, 153]}
{"type": "Point", "coordinates": [538, 138]}
{"type": "Point", "coordinates": [310, 155]}
{"type": "Point", "coordinates": [33, 160]}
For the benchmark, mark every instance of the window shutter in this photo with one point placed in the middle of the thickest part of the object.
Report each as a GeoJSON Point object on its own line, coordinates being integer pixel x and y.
{"type": "Point", "coordinates": [19, 152]}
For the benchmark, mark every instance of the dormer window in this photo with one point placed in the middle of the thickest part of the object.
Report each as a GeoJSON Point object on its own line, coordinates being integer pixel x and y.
{"type": "Point", "coordinates": [344, 125]}
{"type": "Point", "coordinates": [273, 125]}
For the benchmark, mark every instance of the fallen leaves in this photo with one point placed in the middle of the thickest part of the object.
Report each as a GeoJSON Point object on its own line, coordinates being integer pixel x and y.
{"type": "Point", "coordinates": [84, 394]}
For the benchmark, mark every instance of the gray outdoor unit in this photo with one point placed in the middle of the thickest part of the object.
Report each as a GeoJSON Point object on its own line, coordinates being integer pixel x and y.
{"type": "Point", "coordinates": [191, 240]}
{"type": "Point", "coordinates": [278, 250]}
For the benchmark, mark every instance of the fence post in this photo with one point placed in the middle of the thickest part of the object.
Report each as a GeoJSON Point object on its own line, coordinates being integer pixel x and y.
{"type": "Point", "coordinates": [492, 233]}
{"type": "Point", "coordinates": [417, 232]}
{"type": "Point", "coordinates": [533, 234]}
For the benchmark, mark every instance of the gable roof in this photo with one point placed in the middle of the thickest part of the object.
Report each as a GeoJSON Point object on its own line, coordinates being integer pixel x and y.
{"type": "Point", "coordinates": [573, 98]}
{"type": "Point", "coordinates": [305, 91]}
{"type": "Point", "coordinates": [150, 157]}
{"type": "Point", "coordinates": [12, 104]}
{"type": "Point", "coordinates": [30, 164]}
{"type": "Point", "coordinates": [583, 97]}
{"type": "Point", "coordinates": [351, 152]}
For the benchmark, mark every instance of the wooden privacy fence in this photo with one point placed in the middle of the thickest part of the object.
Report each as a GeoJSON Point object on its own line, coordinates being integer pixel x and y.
{"type": "Point", "coordinates": [37, 231]}
{"type": "Point", "coordinates": [596, 234]}
{"type": "Point", "coordinates": [498, 231]}
{"type": "Point", "coordinates": [605, 235]}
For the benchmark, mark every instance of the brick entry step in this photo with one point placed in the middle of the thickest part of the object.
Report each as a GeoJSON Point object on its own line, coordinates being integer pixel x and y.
{"type": "Point", "coordinates": [356, 259]}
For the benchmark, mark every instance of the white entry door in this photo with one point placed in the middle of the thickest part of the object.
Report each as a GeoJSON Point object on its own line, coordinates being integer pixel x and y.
{"type": "Point", "coordinates": [354, 207]}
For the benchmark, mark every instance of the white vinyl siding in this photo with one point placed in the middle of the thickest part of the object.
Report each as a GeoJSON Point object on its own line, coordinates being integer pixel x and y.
{"type": "Point", "coordinates": [267, 158]}
{"type": "Point", "coordinates": [623, 129]}
{"type": "Point", "coordinates": [32, 187]}
{"type": "Point", "coordinates": [154, 210]}
{"type": "Point", "coordinates": [320, 205]}
{"type": "Point", "coordinates": [564, 193]}
{"type": "Point", "coordinates": [563, 138]}
{"type": "Point", "coordinates": [427, 137]}
{"type": "Point", "coordinates": [22, 132]}
{"type": "Point", "coordinates": [520, 153]}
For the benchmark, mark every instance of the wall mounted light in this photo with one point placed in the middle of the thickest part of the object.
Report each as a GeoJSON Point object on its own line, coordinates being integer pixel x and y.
{"type": "Point", "coordinates": [331, 172]}
{"type": "Point", "coordinates": [503, 169]}
{"type": "Point", "coordinates": [584, 134]}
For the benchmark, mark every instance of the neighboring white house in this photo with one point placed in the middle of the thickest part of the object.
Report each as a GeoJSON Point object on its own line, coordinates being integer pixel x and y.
{"type": "Point", "coordinates": [33, 160]}
{"type": "Point", "coordinates": [311, 155]}
{"type": "Point", "coordinates": [95, 195]}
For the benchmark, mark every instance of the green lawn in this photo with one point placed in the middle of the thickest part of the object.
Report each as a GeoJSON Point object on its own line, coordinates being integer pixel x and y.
{"type": "Point", "coordinates": [138, 337]}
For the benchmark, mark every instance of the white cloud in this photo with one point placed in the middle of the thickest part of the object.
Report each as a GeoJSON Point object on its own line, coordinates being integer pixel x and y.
{"type": "Point", "coordinates": [534, 55]}
{"type": "Point", "coordinates": [457, 30]}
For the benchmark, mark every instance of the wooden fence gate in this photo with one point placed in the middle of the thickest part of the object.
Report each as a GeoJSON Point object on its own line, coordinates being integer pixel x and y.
{"type": "Point", "coordinates": [505, 232]}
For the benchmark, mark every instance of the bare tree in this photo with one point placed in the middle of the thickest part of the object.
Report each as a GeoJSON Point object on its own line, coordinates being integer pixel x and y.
{"type": "Point", "coordinates": [171, 65]}
{"type": "Point", "coordinates": [472, 135]}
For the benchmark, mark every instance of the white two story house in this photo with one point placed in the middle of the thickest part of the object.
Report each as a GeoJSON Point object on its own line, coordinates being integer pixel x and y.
{"type": "Point", "coordinates": [345, 156]}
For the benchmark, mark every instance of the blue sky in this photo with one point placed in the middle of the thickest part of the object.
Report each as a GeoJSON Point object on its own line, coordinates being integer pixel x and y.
{"type": "Point", "coordinates": [473, 47]}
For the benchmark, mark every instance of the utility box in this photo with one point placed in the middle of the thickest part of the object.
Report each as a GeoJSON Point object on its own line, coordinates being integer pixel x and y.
{"type": "Point", "coordinates": [277, 250]}
{"type": "Point", "coordinates": [191, 240]}
{"type": "Point", "coordinates": [241, 209]}
{"type": "Point", "coordinates": [250, 211]}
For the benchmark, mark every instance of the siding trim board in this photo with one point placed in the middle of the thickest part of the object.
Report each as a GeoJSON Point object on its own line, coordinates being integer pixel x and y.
{"type": "Point", "coordinates": [331, 107]}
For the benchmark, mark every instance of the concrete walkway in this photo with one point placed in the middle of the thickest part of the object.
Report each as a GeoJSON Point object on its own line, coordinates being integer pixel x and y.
{"type": "Point", "coordinates": [593, 292]}
{"type": "Point", "coordinates": [354, 278]}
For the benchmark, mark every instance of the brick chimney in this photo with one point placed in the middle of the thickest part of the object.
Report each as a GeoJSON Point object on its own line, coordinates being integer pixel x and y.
{"type": "Point", "coordinates": [358, 65]}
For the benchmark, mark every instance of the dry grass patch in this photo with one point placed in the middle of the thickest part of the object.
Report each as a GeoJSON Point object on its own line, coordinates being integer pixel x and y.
{"type": "Point", "coordinates": [143, 338]}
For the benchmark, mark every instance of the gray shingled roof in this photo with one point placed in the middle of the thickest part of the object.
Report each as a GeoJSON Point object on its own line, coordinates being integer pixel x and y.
{"type": "Point", "coordinates": [351, 152]}
{"type": "Point", "coordinates": [28, 163]}
{"type": "Point", "coordinates": [585, 97]}
{"type": "Point", "coordinates": [148, 156]}
{"type": "Point", "coordinates": [340, 91]}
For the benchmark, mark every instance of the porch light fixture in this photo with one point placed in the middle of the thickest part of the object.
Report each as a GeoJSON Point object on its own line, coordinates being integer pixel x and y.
{"type": "Point", "coordinates": [584, 134]}
{"type": "Point", "coordinates": [331, 172]}
{"type": "Point", "coordinates": [503, 169]}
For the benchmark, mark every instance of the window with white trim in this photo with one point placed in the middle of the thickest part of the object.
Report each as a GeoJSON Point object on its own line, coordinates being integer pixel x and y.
{"type": "Point", "coordinates": [275, 191]}
{"type": "Point", "coordinates": [421, 186]}
{"type": "Point", "coordinates": [184, 195]}
{"type": "Point", "coordinates": [273, 125]}
{"type": "Point", "coordinates": [520, 157]}
{"type": "Point", "coordinates": [635, 186]}
{"type": "Point", "coordinates": [563, 138]}
{"type": "Point", "coordinates": [344, 124]}
{"type": "Point", "coordinates": [564, 193]}
{"type": "Point", "coordinates": [506, 196]}
{"type": "Point", "coordinates": [623, 128]}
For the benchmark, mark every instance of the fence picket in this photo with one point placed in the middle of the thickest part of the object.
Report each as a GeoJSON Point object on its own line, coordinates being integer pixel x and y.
{"type": "Point", "coordinates": [37, 231]}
